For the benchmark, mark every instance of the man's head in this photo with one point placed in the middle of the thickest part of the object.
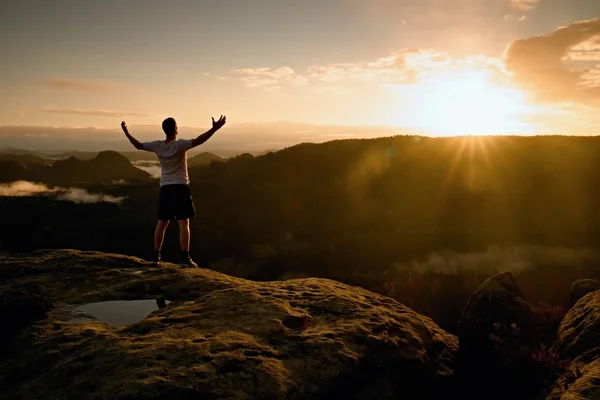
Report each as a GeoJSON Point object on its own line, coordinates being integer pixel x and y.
{"type": "Point", "coordinates": [170, 127]}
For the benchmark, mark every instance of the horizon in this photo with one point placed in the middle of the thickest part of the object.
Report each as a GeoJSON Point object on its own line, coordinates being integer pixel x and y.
{"type": "Point", "coordinates": [272, 137]}
{"type": "Point", "coordinates": [430, 68]}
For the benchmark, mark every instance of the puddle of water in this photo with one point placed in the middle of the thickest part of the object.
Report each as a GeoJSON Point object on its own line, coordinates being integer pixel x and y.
{"type": "Point", "coordinates": [119, 312]}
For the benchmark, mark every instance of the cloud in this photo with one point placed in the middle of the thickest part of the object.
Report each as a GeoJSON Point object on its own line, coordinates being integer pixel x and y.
{"type": "Point", "coordinates": [269, 78]}
{"type": "Point", "coordinates": [75, 195]}
{"type": "Point", "coordinates": [217, 77]}
{"type": "Point", "coordinates": [402, 67]}
{"type": "Point", "coordinates": [540, 64]}
{"type": "Point", "coordinates": [63, 83]}
{"type": "Point", "coordinates": [396, 67]}
{"type": "Point", "coordinates": [94, 112]}
{"type": "Point", "coordinates": [588, 50]}
{"type": "Point", "coordinates": [22, 188]}
{"type": "Point", "coordinates": [510, 17]}
{"type": "Point", "coordinates": [524, 4]}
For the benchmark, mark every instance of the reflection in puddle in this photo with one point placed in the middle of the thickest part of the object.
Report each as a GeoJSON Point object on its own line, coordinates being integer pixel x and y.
{"type": "Point", "coordinates": [119, 312]}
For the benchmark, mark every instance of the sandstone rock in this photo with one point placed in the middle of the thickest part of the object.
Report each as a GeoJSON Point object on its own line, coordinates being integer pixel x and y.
{"type": "Point", "coordinates": [497, 323]}
{"type": "Point", "coordinates": [498, 306]}
{"type": "Point", "coordinates": [579, 340]}
{"type": "Point", "coordinates": [581, 380]}
{"type": "Point", "coordinates": [580, 288]}
{"type": "Point", "coordinates": [221, 337]}
{"type": "Point", "coordinates": [579, 331]}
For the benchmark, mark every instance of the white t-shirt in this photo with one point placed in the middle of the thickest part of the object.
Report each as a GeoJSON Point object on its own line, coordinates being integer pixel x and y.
{"type": "Point", "coordinates": [173, 160]}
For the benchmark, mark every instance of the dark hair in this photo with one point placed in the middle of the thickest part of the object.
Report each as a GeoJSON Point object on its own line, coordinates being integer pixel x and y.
{"type": "Point", "coordinates": [168, 126]}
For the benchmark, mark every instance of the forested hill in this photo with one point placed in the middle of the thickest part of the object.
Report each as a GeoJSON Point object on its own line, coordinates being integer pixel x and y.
{"type": "Point", "coordinates": [106, 167]}
{"type": "Point", "coordinates": [455, 192]}
{"type": "Point", "coordinates": [365, 201]}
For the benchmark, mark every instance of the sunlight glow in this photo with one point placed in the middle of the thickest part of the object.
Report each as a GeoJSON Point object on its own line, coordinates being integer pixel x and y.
{"type": "Point", "coordinates": [470, 103]}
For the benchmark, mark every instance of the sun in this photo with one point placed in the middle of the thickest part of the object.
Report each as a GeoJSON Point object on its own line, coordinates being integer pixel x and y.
{"type": "Point", "coordinates": [468, 102]}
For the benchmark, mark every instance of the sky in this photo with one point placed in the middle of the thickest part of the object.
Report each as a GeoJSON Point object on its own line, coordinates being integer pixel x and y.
{"type": "Point", "coordinates": [432, 67]}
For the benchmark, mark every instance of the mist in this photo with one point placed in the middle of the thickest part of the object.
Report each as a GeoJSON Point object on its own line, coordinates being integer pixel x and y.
{"type": "Point", "coordinates": [151, 167]}
{"type": "Point", "coordinates": [237, 138]}
{"type": "Point", "coordinates": [502, 258]}
{"type": "Point", "coordinates": [75, 195]}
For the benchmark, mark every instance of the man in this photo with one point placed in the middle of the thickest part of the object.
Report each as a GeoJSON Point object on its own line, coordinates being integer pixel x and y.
{"type": "Point", "coordinates": [175, 199]}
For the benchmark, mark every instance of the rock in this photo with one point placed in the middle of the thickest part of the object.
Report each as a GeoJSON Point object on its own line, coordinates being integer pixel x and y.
{"type": "Point", "coordinates": [580, 288]}
{"type": "Point", "coordinates": [221, 337]}
{"type": "Point", "coordinates": [498, 305]}
{"type": "Point", "coordinates": [579, 340]}
{"type": "Point", "coordinates": [579, 331]}
{"type": "Point", "coordinates": [581, 380]}
{"type": "Point", "coordinates": [19, 308]}
{"type": "Point", "coordinates": [497, 323]}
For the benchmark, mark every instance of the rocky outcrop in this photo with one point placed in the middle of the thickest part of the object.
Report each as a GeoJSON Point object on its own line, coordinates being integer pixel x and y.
{"type": "Point", "coordinates": [580, 288]}
{"type": "Point", "coordinates": [498, 306]}
{"type": "Point", "coordinates": [581, 380]}
{"type": "Point", "coordinates": [579, 340]}
{"type": "Point", "coordinates": [579, 331]}
{"type": "Point", "coordinates": [497, 329]}
{"type": "Point", "coordinates": [220, 337]}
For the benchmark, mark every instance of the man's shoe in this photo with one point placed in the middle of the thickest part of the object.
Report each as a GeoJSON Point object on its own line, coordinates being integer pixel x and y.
{"type": "Point", "coordinates": [186, 260]}
{"type": "Point", "coordinates": [189, 263]}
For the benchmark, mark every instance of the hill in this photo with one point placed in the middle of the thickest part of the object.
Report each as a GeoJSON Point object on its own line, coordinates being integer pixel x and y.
{"type": "Point", "coordinates": [203, 159]}
{"type": "Point", "coordinates": [106, 167]}
{"type": "Point", "coordinates": [24, 159]}
{"type": "Point", "coordinates": [135, 155]}
{"type": "Point", "coordinates": [465, 192]}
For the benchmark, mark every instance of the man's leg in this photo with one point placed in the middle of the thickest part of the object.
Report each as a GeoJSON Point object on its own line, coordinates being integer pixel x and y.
{"type": "Point", "coordinates": [159, 237]}
{"type": "Point", "coordinates": [184, 234]}
{"type": "Point", "coordinates": [184, 241]}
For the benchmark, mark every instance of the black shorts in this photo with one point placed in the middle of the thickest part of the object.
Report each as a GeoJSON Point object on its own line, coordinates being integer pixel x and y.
{"type": "Point", "coordinates": [175, 202]}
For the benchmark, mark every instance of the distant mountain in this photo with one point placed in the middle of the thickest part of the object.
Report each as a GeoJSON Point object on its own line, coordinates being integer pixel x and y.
{"type": "Point", "coordinates": [134, 155]}
{"type": "Point", "coordinates": [81, 155]}
{"type": "Point", "coordinates": [106, 167]}
{"type": "Point", "coordinates": [14, 150]}
{"type": "Point", "coordinates": [203, 159]}
{"type": "Point", "coordinates": [25, 159]}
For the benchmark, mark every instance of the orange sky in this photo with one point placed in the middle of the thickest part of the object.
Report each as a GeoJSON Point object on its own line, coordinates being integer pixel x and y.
{"type": "Point", "coordinates": [429, 67]}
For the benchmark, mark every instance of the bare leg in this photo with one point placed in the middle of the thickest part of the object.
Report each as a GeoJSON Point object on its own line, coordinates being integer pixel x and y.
{"type": "Point", "coordinates": [184, 241]}
{"type": "Point", "coordinates": [159, 234]}
{"type": "Point", "coordinates": [184, 234]}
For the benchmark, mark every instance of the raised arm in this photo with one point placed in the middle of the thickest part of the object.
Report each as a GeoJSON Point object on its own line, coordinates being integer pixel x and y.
{"type": "Point", "coordinates": [206, 135]}
{"type": "Point", "coordinates": [133, 140]}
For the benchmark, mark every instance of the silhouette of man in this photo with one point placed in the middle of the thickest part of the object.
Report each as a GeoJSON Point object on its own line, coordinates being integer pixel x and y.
{"type": "Point", "coordinates": [175, 198]}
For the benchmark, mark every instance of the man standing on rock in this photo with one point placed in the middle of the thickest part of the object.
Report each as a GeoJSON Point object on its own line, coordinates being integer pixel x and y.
{"type": "Point", "coordinates": [175, 199]}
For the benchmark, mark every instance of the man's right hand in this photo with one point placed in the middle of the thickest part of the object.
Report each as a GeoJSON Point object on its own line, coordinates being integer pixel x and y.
{"type": "Point", "coordinates": [124, 126]}
{"type": "Point", "coordinates": [219, 124]}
